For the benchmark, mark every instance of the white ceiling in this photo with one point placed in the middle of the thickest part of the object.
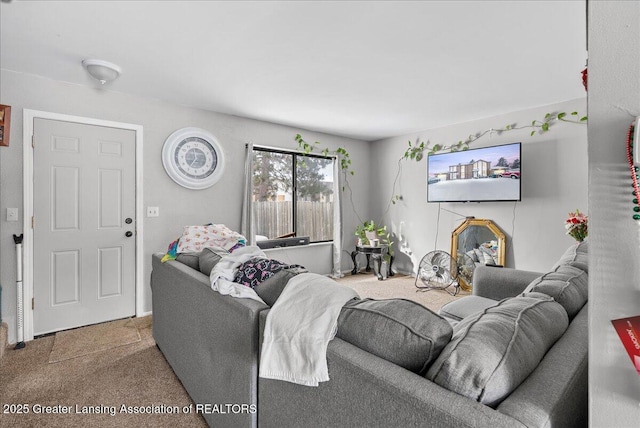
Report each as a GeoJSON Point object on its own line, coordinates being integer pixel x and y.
{"type": "Point", "coordinates": [363, 69]}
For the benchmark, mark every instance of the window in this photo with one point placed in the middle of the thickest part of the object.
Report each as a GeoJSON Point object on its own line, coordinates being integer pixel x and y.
{"type": "Point", "coordinates": [292, 195]}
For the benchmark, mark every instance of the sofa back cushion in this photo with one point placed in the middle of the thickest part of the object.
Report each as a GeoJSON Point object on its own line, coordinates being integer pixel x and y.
{"type": "Point", "coordinates": [190, 259]}
{"type": "Point", "coordinates": [397, 330]}
{"type": "Point", "coordinates": [567, 284]}
{"type": "Point", "coordinates": [270, 289]}
{"type": "Point", "coordinates": [576, 255]}
{"type": "Point", "coordinates": [209, 257]}
{"type": "Point", "coordinates": [492, 352]}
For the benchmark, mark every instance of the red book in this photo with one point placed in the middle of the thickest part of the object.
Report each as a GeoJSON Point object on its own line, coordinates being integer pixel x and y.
{"type": "Point", "coordinates": [629, 331]}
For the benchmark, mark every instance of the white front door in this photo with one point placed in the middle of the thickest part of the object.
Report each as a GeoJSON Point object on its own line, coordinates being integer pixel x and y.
{"type": "Point", "coordinates": [84, 224]}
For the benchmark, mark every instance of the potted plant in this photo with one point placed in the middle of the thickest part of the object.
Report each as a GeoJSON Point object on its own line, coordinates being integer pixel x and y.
{"type": "Point", "coordinates": [369, 230]}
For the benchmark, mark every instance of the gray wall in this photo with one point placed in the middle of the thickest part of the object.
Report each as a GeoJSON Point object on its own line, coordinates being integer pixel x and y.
{"type": "Point", "coordinates": [554, 182]}
{"type": "Point", "coordinates": [614, 262]}
{"type": "Point", "coordinates": [178, 206]}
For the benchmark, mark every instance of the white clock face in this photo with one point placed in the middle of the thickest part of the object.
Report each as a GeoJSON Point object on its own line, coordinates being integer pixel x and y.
{"type": "Point", "coordinates": [193, 158]}
{"type": "Point", "coordinates": [196, 158]}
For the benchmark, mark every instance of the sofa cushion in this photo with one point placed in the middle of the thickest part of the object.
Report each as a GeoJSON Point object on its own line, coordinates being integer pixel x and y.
{"type": "Point", "coordinates": [568, 285]}
{"type": "Point", "coordinates": [270, 289]}
{"type": "Point", "coordinates": [576, 255]}
{"type": "Point", "coordinates": [492, 352]}
{"type": "Point", "coordinates": [397, 330]}
{"type": "Point", "coordinates": [458, 309]}
{"type": "Point", "coordinates": [190, 259]}
{"type": "Point", "coordinates": [209, 257]}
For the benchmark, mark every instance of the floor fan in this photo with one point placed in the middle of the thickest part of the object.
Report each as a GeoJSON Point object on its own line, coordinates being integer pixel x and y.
{"type": "Point", "coordinates": [438, 271]}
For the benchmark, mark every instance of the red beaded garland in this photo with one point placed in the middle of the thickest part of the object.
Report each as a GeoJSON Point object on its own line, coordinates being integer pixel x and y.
{"type": "Point", "coordinates": [634, 178]}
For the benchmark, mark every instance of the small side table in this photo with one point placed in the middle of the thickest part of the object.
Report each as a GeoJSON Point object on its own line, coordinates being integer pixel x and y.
{"type": "Point", "coordinates": [377, 253]}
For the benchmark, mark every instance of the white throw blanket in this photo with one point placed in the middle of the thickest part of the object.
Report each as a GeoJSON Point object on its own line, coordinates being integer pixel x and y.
{"type": "Point", "coordinates": [299, 327]}
{"type": "Point", "coordinates": [222, 274]}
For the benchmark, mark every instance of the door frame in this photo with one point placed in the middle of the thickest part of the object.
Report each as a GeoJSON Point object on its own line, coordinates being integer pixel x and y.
{"type": "Point", "coordinates": [27, 246]}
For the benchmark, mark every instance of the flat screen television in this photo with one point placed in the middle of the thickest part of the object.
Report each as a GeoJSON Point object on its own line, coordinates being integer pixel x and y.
{"type": "Point", "coordinates": [475, 175]}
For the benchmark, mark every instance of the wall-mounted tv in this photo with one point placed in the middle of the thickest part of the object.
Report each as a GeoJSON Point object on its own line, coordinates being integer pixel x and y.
{"type": "Point", "coordinates": [475, 175]}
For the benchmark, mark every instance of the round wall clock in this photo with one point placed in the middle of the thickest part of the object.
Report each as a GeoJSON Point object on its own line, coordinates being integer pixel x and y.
{"type": "Point", "coordinates": [193, 158]}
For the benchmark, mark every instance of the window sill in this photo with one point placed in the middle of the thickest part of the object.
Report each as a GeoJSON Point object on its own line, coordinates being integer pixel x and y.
{"type": "Point", "coordinates": [294, 247]}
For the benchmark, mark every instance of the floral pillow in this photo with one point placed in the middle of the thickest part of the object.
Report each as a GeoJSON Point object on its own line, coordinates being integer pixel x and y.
{"type": "Point", "coordinates": [195, 238]}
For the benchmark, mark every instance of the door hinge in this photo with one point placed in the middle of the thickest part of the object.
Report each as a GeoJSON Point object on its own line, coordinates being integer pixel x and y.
{"type": "Point", "coordinates": [33, 141]}
{"type": "Point", "coordinates": [33, 223]}
{"type": "Point", "coordinates": [33, 303]}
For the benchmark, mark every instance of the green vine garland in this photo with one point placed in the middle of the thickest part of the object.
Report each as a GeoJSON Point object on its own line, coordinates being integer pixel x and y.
{"type": "Point", "coordinates": [416, 150]}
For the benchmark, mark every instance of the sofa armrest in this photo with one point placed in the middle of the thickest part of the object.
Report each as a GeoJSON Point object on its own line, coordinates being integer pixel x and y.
{"type": "Point", "coordinates": [210, 340]}
{"type": "Point", "coordinates": [365, 390]}
{"type": "Point", "coordinates": [499, 283]}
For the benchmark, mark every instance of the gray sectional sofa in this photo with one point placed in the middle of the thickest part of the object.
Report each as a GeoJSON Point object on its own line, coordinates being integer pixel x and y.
{"type": "Point", "coordinates": [539, 379]}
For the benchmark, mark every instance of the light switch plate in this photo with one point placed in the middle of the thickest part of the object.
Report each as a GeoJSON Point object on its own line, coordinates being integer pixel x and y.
{"type": "Point", "coordinates": [12, 214]}
{"type": "Point", "coordinates": [153, 211]}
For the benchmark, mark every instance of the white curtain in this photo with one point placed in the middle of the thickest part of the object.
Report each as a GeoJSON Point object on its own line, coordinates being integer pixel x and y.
{"type": "Point", "coordinates": [246, 227]}
{"type": "Point", "coordinates": [337, 220]}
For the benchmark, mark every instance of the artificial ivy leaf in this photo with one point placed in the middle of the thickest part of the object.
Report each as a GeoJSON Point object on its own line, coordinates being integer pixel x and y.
{"type": "Point", "coordinates": [561, 115]}
{"type": "Point", "coordinates": [532, 132]}
{"type": "Point", "coordinates": [574, 113]}
{"type": "Point", "coordinates": [546, 116]}
{"type": "Point", "coordinates": [545, 126]}
{"type": "Point", "coordinates": [582, 119]}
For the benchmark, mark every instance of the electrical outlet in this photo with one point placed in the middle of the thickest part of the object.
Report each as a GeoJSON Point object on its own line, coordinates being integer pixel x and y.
{"type": "Point", "coordinates": [12, 214]}
{"type": "Point", "coordinates": [153, 211]}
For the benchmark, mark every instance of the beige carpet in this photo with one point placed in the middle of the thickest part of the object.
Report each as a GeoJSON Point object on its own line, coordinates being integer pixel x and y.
{"type": "Point", "coordinates": [134, 375]}
{"type": "Point", "coordinates": [94, 338]}
{"type": "Point", "coordinates": [398, 286]}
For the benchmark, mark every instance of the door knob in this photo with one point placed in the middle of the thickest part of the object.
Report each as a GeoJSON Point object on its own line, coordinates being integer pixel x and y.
{"type": "Point", "coordinates": [128, 220]}
{"type": "Point", "coordinates": [128, 234]}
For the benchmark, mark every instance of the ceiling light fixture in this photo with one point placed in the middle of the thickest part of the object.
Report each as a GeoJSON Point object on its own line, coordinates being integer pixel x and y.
{"type": "Point", "coordinates": [103, 71]}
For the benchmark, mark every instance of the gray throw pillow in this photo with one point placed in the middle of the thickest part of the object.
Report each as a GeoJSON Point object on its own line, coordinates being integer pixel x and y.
{"type": "Point", "coordinates": [397, 330]}
{"type": "Point", "coordinates": [568, 285]}
{"type": "Point", "coordinates": [209, 257]}
{"type": "Point", "coordinates": [577, 255]}
{"type": "Point", "coordinates": [190, 259]}
{"type": "Point", "coordinates": [270, 290]}
{"type": "Point", "coordinates": [492, 352]}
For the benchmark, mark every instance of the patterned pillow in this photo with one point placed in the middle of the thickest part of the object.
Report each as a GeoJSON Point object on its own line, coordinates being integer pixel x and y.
{"type": "Point", "coordinates": [255, 271]}
{"type": "Point", "coordinates": [195, 238]}
{"type": "Point", "coordinates": [494, 351]}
